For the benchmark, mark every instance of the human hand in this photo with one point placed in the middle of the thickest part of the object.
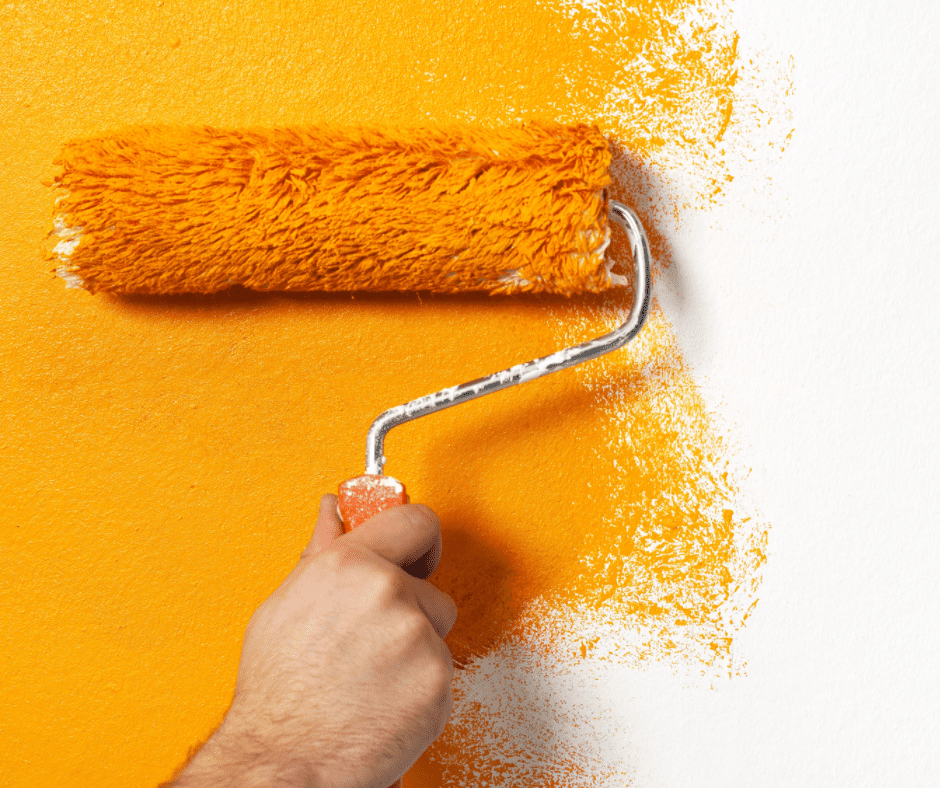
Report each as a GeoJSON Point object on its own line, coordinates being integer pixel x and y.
{"type": "Point", "coordinates": [344, 677]}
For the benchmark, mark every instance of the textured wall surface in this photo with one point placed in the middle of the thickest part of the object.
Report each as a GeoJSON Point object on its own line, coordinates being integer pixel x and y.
{"type": "Point", "coordinates": [162, 457]}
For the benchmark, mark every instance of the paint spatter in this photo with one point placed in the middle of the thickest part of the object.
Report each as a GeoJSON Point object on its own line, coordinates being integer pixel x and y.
{"type": "Point", "coordinates": [668, 576]}
{"type": "Point", "coordinates": [660, 81]}
{"type": "Point", "coordinates": [536, 724]}
{"type": "Point", "coordinates": [658, 78]}
{"type": "Point", "coordinates": [684, 100]}
{"type": "Point", "coordinates": [671, 571]}
{"type": "Point", "coordinates": [672, 559]}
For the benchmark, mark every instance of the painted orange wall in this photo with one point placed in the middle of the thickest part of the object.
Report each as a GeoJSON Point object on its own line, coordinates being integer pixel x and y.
{"type": "Point", "coordinates": [162, 458]}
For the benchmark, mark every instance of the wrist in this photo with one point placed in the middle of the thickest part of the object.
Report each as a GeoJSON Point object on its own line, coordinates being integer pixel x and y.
{"type": "Point", "coordinates": [238, 759]}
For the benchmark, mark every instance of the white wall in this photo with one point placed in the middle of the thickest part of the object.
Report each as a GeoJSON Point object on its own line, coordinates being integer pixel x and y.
{"type": "Point", "coordinates": [809, 309]}
{"type": "Point", "coordinates": [806, 305]}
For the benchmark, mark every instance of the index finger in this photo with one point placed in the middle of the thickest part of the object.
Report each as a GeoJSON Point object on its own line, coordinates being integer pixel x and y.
{"type": "Point", "coordinates": [401, 534]}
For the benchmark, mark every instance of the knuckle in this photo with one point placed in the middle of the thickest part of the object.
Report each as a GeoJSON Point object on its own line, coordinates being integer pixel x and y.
{"type": "Point", "coordinates": [450, 607]}
{"type": "Point", "coordinates": [441, 675]}
{"type": "Point", "coordinates": [414, 626]}
{"type": "Point", "coordinates": [387, 585]}
{"type": "Point", "coordinates": [340, 557]}
{"type": "Point", "coordinates": [447, 662]}
{"type": "Point", "coordinates": [427, 513]}
{"type": "Point", "coordinates": [422, 517]}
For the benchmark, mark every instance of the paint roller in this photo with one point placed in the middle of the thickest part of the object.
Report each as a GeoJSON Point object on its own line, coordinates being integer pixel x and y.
{"type": "Point", "coordinates": [160, 209]}
{"type": "Point", "coordinates": [523, 209]}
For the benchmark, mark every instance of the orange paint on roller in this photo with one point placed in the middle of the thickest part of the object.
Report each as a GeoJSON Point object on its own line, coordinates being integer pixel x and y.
{"type": "Point", "coordinates": [162, 209]}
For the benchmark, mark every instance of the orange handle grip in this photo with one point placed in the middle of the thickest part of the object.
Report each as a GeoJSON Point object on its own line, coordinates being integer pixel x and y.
{"type": "Point", "coordinates": [365, 496]}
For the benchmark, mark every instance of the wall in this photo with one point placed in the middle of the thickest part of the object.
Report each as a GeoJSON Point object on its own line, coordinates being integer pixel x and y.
{"type": "Point", "coordinates": [607, 532]}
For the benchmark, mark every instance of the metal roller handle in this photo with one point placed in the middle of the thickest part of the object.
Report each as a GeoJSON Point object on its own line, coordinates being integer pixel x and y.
{"type": "Point", "coordinates": [530, 370]}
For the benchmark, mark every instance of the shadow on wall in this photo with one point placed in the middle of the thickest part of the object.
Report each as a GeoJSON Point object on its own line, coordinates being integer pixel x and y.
{"type": "Point", "coordinates": [491, 580]}
{"type": "Point", "coordinates": [639, 185]}
{"type": "Point", "coordinates": [642, 187]}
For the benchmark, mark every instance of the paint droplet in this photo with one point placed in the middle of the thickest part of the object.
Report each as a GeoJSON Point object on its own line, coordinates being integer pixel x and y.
{"type": "Point", "coordinates": [176, 42]}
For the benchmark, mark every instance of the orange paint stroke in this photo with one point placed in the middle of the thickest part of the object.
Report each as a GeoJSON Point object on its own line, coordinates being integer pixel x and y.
{"type": "Point", "coordinates": [656, 560]}
{"type": "Point", "coordinates": [163, 457]}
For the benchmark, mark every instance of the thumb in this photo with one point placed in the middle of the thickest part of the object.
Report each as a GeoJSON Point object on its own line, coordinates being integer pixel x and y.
{"type": "Point", "coordinates": [328, 527]}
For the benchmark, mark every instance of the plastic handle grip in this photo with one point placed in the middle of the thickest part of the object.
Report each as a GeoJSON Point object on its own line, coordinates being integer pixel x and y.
{"type": "Point", "coordinates": [365, 496]}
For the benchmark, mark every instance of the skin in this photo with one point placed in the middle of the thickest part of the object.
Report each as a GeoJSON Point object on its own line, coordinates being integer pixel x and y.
{"type": "Point", "coordinates": [344, 677]}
